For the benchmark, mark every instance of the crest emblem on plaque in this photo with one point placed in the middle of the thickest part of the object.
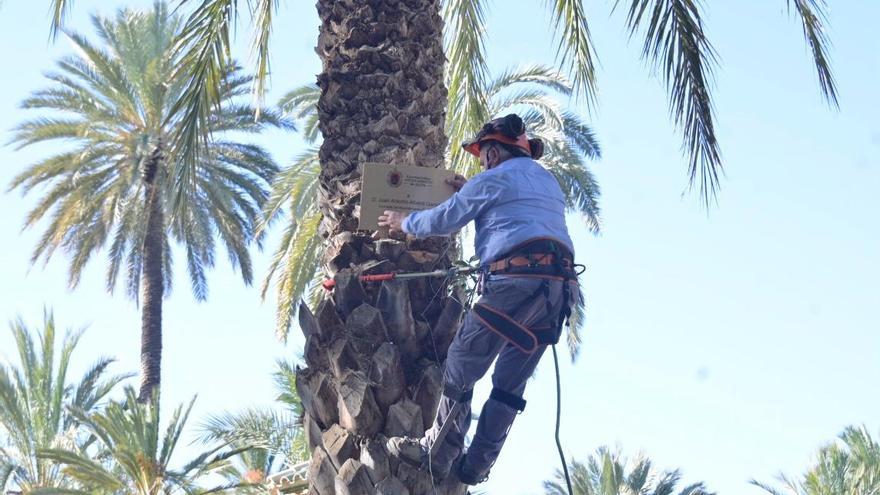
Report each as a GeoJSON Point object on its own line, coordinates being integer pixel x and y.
{"type": "Point", "coordinates": [395, 178]}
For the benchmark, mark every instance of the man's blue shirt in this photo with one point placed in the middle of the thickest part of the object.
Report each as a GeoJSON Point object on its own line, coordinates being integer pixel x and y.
{"type": "Point", "coordinates": [510, 204]}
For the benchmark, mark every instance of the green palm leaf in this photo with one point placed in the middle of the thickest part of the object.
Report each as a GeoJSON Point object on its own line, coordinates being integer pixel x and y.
{"type": "Point", "coordinates": [466, 75]}
{"type": "Point", "coordinates": [293, 267]}
{"type": "Point", "coordinates": [606, 472]}
{"type": "Point", "coordinates": [269, 439]}
{"type": "Point", "coordinates": [35, 402]}
{"type": "Point", "coordinates": [850, 465]}
{"type": "Point", "coordinates": [134, 452]}
{"type": "Point", "coordinates": [812, 14]}
{"type": "Point", "coordinates": [60, 9]}
{"type": "Point", "coordinates": [576, 45]}
{"type": "Point", "coordinates": [284, 377]}
{"type": "Point", "coordinates": [674, 41]}
{"type": "Point", "coordinates": [203, 53]}
{"type": "Point", "coordinates": [541, 75]}
{"type": "Point", "coordinates": [264, 11]}
{"type": "Point", "coordinates": [300, 104]}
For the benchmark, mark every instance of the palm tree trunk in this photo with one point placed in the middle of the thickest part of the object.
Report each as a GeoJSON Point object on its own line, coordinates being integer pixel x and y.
{"type": "Point", "coordinates": [373, 353]}
{"type": "Point", "coordinates": [152, 281]}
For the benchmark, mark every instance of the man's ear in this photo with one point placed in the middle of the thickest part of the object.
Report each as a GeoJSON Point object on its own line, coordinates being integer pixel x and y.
{"type": "Point", "coordinates": [492, 156]}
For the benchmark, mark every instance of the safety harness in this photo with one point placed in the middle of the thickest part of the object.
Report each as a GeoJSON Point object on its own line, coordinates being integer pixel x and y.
{"type": "Point", "coordinates": [543, 258]}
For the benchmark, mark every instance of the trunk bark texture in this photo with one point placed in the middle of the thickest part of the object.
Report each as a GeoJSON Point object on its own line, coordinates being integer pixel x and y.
{"type": "Point", "coordinates": [152, 282]}
{"type": "Point", "coordinates": [374, 352]}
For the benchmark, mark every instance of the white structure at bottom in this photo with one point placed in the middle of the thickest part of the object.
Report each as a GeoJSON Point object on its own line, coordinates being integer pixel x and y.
{"type": "Point", "coordinates": [292, 480]}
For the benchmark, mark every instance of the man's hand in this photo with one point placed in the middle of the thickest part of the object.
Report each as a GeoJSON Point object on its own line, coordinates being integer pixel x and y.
{"type": "Point", "coordinates": [393, 220]}
{"type": "Point", "coordinates": [457, 182]}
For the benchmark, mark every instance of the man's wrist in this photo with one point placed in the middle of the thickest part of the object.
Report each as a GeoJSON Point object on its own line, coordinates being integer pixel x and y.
{"type": "Point", "coordinates": [403, 223]}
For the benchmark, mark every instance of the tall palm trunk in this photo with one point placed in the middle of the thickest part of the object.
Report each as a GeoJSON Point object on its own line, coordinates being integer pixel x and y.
{"type": "Point", "coordinates": [373, 353]}
{"type": "Point", "coordinates": [152, 281]}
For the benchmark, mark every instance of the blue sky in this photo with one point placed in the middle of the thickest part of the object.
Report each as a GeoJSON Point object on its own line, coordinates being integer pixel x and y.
{"type": "Point", "coordinates": [730, 344]}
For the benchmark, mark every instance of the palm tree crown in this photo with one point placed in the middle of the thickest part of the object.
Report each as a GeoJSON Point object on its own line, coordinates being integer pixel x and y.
{"type": "Point", "coordinates": [34, 402]}
{"type": "Point", "coordinates": [274, 436]}
{"type": "Point", "coordinates": [132, 453]}
{"type": "Point", "coordinates": [850, 466]}
{"type": "Point", "coordinates": [113, 104]}
{"type": "Point", "coordinates": [608, 473]}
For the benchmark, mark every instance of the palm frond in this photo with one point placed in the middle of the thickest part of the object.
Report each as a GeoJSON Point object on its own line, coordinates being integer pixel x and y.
{"type": "Point", "coordinates": [284, 377]}
{"type": "Point", "coordinates": [581, 136]}
{"type": "Point", "coordinates": [83, 469]}
{"type": "Point", "coordinates": [6, 470]}
{"type": "Point", "coordinates": [36, 402]}
{"type": "Point", "coordinates": [255, 428]}
{"type": "Point", "coordinates": [204, 55]}
{"type": "Point", "coordinates": [573, 336]}
{"type": "Point", "coordinates": [466, 75]}
{"type": "Point", "coordinates": [294, 261]}
{"type": "Point", "coordinates": [850, 465]}
{"type": "Point", "coordinates": [579, 186]}
{"type": "Point", "coordinates": [297, 255]}
{"type": "Point", "coordinates": [90, 381]}
{"type": "Point", "coordinates": [677, 46]}
{"type": "Point", "coordinates": [263, 13]}
{"type": "Point", "coordinates": [58, 491]}
{"type": "Point", "coordinates": [769, 489]}
{"type": "Point", "coordinates": [112, 74]}
{"type": "Point", "coordinates": [696, 489]}
{"type": "Point", "coordinates": [317, 293]}
{"type": "Point", "coordinates": [300, 102]}
{"type": "Point", "coordinates": [541, 75]}
{"type": "Point", "coordinates": [576, 45]}
{"type": "Point", "coordinates": [135, 453]}
{"type": "Point", "coordinates": [293, 186]}
{"type": "Point", "coordinates": [813, 17]}
{"type": "Point", "coordinates": [606, 472]}
{"type": "Point", "coordinates": [666, 482]}
{"type": "Point", "coordinates": [47, 128]}
{"type": "Point", "coordinates": [240, 118]}
{"type": "Point", "coordinates": [60, 10]}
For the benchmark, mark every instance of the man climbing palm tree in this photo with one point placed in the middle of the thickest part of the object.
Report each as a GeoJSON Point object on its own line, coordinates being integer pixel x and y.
{"type": "Point", "coordinates": [529, 286]}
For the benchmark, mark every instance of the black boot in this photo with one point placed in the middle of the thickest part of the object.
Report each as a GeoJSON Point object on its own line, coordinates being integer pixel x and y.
{"type": "Point", "coordinates": [408, 449]}
{"type": "Point", "coordinates": [467, 475]}
{"type": "Point", "coordinates": [413, 452]}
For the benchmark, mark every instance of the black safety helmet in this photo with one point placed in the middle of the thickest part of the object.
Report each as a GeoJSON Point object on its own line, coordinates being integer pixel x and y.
{"type": "Point", "coordinates": [510, 132]}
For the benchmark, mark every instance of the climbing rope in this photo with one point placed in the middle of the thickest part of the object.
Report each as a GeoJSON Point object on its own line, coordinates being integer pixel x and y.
{"type": "Point", "coordinates": [558, 421]}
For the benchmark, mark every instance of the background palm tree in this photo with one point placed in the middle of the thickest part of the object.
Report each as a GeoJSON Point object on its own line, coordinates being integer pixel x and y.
{"type": "Point", "coordinates": [116, 188]}
{"type": "Point", "coordinates": [607, 473]}
{"type": "Point", "coordinates": [274, 437]}
{"type": "Point", "coordinates": [34, 402]}
{"type": "Point", "coordinates": [132, 453]}
{"type": "Point", "coordinates": [850, 466]}
{"type": "Point", "coordinates": [530, 90]}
